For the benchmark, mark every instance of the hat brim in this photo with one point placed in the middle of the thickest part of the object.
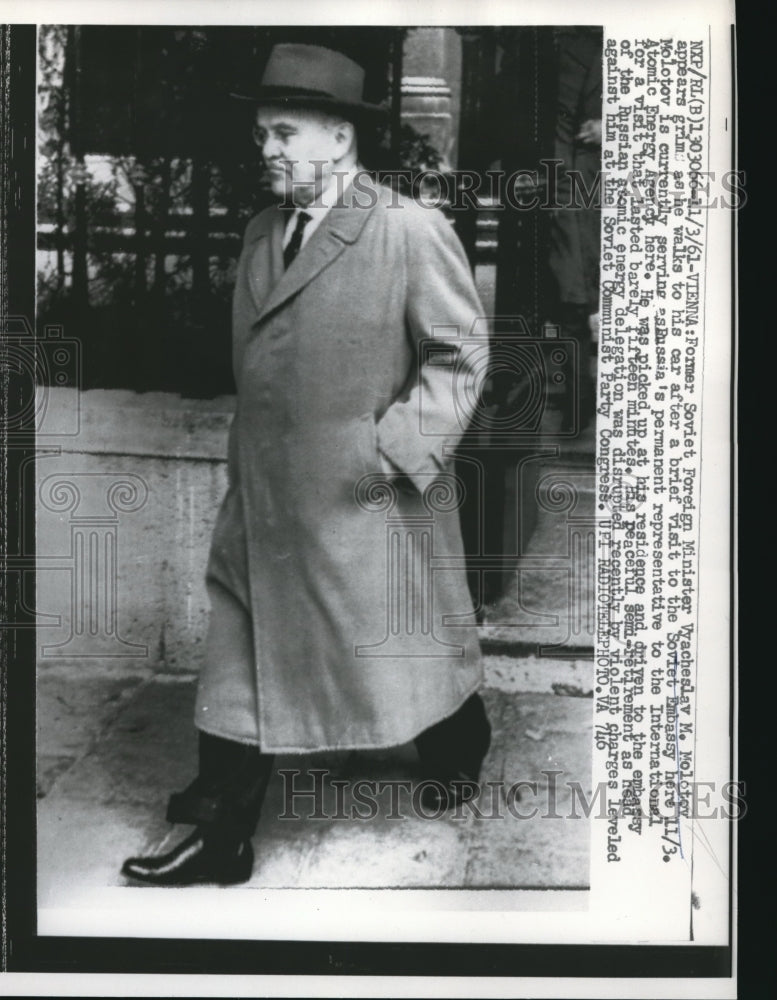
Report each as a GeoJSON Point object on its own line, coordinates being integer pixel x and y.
{"type": "Point", "coordinates": [316, 101]}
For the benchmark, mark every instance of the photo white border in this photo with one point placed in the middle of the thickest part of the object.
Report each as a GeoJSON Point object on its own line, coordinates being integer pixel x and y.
{"type": "Point", "coordinates": [714, 610]}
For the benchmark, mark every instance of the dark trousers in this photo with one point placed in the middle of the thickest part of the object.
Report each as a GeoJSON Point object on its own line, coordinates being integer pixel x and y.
{"type": "Point", "coordinates": [456, 746]}
{"type": "Point", "coordinates": [226, 797]}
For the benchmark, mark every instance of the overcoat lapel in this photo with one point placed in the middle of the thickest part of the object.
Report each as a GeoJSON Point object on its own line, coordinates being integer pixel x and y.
{"type": "Point", "coordinates": [265, 267]}
{"type": "Point", "coordinates": [341, 226]}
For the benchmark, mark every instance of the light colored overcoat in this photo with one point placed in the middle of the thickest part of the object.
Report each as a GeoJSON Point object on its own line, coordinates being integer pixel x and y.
{"type": "Point", "coordinates": [358, 618]}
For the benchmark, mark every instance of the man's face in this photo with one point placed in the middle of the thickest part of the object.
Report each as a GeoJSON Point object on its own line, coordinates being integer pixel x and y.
{"type": "Point", "coordinates": [300, 148]}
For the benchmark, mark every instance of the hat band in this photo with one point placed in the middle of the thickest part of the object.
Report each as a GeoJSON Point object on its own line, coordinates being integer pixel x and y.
{"type": "Point", "coordinates": [280, 91]}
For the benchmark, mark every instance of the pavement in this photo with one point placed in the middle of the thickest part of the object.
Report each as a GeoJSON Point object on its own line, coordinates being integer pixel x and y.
{"type": "Point", "coordinates": [113, 744]}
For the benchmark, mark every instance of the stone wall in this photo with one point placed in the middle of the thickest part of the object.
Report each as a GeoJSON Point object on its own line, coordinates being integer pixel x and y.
{"type": "Point", "coordinates": [125, 509]}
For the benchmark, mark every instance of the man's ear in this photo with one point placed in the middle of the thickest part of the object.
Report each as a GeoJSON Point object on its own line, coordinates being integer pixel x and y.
{"type": "Point", "coordinates": [345, 137]}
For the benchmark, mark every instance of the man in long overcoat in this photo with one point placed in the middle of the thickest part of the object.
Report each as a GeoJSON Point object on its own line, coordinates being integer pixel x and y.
{"type": "Point", "coordinates": [340, 612]}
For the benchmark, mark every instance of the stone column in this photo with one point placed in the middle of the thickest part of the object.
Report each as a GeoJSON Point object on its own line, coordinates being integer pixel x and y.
{"type": "Point", "coordinates": [431, 87]}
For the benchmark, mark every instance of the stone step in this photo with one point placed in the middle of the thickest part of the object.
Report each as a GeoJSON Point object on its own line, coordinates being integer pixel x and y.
{"type": "Point", "coordinates": [110, 803]}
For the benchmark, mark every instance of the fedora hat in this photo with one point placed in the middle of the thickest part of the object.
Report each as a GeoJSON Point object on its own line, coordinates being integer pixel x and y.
{"type": "Point", "coordinates": [311, 76]}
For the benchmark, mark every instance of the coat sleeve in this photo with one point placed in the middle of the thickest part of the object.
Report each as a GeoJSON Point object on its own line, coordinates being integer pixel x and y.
{"type": "Point", "coordinates": [445, 322]}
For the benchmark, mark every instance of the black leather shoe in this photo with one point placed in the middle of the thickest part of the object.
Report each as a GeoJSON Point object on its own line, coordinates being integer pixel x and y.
{"type": "Point", "coordinates": [195, 860]}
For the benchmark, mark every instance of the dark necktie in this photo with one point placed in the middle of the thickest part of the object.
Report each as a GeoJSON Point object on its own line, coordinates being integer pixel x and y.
{"type": "Point", "coordinates": [293, 246]}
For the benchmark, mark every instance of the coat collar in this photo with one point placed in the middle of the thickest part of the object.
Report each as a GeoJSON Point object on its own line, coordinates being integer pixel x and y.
{"type": "Point", "coordinates": [270, 284]}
